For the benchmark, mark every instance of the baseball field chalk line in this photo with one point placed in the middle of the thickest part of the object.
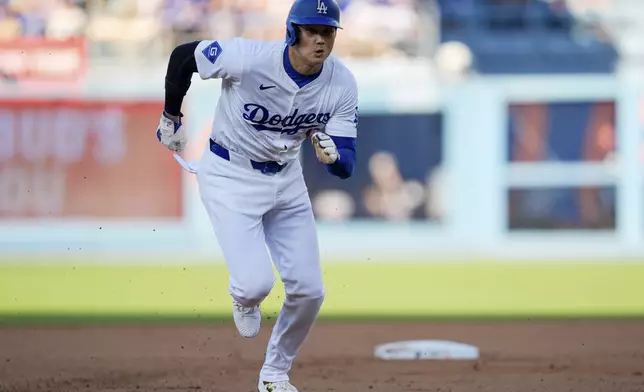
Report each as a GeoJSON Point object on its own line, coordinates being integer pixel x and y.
{"type": "Point", "coordinates": [427, 350]}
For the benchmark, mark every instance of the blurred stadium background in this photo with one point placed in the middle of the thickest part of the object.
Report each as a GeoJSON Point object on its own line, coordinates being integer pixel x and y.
{"type": "Point", "coordinates": [500, 160]}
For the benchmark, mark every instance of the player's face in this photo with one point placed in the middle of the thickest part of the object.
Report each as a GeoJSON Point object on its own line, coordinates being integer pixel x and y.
{"type": "Point", "coordinates": [316, 43]}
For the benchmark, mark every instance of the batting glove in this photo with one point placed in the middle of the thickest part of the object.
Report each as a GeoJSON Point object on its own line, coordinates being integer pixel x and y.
{"type": "Point", "coordinates": [171, 133]}
{"type": "Point", "coordinates": [325, 148]}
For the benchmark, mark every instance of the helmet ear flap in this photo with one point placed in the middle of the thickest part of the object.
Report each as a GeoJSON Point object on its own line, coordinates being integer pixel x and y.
{"type": "Point", "coordinates": [292, 34]}
{"type": "Point", "coordinates": [297, 34]}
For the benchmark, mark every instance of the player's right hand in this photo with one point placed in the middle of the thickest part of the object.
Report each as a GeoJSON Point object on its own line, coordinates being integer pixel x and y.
{"type": "Point", "coordinates": [171, 133]}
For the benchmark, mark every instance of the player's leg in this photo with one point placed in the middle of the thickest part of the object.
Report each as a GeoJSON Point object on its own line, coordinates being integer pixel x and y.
{"type": "Point", "coordinates": [232, 197]}
{"type": "Point", "coordinates": [292, 239]}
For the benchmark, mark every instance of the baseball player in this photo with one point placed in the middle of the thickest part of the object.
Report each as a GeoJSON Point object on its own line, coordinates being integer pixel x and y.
{"type": "Point", "coordinates": [275, 95]}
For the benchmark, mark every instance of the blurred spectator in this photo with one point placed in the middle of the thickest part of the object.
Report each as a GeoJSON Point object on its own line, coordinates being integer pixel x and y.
{"type": "Point", "coordinates": [122, 27]}
{"type": "Point", "coordinates": [222, 19]}
{"type": "Point", "coordinates": [333, 205]}
{"type": "Point", "coordinates": [375, 28]}
{"type": "Point", "coordinates": [65, 19]}
{"type": "Point", "coordinates": [9, 21]}
{"type": "Point", "coordinates": [391, 196]}
{"type": "Point", "coordinates": [126, 28]}
{"type": "Point", "coordinates": [491, 32]}
{"type": "Point", "coordinates": [186, 18]}
{"type": "Point", "coordinates": [31, 14]}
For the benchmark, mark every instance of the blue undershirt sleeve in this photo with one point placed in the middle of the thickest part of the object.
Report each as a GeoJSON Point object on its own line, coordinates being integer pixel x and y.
{"type": "Point", "coordinates": [344, 166]}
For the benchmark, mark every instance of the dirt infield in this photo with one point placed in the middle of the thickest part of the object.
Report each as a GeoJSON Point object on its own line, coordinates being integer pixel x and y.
{"type": "Point", "coordinates": [519, 356]}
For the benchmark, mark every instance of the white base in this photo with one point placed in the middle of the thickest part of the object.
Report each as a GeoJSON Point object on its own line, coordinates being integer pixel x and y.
{"type": "Point", "coordinates": [426, 349]}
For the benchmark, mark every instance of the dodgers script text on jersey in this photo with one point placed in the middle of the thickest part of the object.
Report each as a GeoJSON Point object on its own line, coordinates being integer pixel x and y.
{"type": "Point", "coordinates": [262, 120]}
{"type": "Point", "coordinates": [263, 114]}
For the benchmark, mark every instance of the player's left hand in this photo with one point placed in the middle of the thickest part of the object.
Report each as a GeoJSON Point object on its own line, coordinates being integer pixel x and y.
{"type": "Point", "coordinates": [171, 133]}
{"type": "Point", "coordinates": [325, 148]}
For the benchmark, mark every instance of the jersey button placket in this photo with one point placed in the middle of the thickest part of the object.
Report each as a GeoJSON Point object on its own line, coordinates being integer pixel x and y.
{"type": "Point", "coordinates": [293, 105]}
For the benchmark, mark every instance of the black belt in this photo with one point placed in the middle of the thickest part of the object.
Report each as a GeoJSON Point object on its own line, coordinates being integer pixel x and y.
{"type": "Point", "coordinates": [264, 167]}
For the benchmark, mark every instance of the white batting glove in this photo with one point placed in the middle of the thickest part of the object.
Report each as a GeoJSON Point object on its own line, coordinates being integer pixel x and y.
{"type": "Point", "coordinates": [325, 148]}
{"type": "Point", "coordinates": [171, 133]}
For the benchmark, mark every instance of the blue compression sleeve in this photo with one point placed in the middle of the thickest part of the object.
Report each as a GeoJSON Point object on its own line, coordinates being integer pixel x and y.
{"type": "Point", "coordinates": [343, 167]}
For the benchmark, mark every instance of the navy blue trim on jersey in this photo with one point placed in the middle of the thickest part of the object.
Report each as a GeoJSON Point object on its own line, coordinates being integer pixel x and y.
{"type": "Point", "coordinates": [344, 166]}
{"type": "Point", "coordinates": [298, 78]}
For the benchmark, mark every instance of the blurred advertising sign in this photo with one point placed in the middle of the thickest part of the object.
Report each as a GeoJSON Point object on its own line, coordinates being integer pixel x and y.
{"type": "Point", "coordinates": [85, 160]}
{"type": "Point", "coordinates": [398, 175]}
{"type": "Point", "coordinates": [563, 133]}
{"type": "Point", "coordinates": [41, 59]}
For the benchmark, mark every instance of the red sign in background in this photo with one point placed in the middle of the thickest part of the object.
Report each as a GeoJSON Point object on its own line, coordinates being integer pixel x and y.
{"type": "Point", "coordinates": [42, 59]}
{"type": "Point", "coordinates": [85, 159]}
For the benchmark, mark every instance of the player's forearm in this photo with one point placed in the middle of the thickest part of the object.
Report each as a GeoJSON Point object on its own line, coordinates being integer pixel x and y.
{"type": "Point", "coordinates": [344, 166]}
{"type": "Point", "coordinates": [181, 66]}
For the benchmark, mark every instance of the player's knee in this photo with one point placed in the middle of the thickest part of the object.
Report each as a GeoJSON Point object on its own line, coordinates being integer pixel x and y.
{"type": "Point", "coordinates": [253, 293]}
{"type": "Point", "coordinates": [317, 293]}
{"type": "Point", "coordinates": [311, 299]}
{"type": "Point", "coordinates": [313, 291]}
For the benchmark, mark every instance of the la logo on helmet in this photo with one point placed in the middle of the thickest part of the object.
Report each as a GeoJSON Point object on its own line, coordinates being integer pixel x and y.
{"type": "Point", "coordinates": [321, 7]}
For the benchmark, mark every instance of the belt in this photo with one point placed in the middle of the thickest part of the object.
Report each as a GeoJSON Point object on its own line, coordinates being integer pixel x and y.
{"type": "Point", "coordinates": [264, 167]}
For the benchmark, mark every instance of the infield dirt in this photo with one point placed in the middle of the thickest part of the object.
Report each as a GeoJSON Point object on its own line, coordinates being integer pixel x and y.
{"type": "Point", "coordinates": [552, 356]}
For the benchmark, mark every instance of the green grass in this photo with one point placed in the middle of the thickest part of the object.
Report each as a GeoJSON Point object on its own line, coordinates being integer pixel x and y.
{"type": "Point", "coordinates": [58, 292]}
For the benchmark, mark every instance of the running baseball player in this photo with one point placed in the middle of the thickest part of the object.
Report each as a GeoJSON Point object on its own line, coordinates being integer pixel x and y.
{"type": "Point", "coordinates": [275, 95]}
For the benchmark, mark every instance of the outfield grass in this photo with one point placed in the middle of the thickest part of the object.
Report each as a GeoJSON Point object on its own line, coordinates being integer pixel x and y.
{"type": "Point", "coordinates": [354, 290]}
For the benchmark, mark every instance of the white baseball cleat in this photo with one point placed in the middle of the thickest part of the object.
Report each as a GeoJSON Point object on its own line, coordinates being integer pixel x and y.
{"type": "Point", "coordinates": [247, 320]}
{"type": "Point", "coordinates": [278, 386]}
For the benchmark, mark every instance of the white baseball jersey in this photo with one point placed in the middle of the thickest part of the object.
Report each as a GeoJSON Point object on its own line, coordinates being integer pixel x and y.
{"type": "Point", "coordinates": [262, 114]}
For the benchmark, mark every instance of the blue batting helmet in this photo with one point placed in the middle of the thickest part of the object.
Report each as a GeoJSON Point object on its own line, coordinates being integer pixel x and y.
{"type": "Point", "coordinates": [311, 12]}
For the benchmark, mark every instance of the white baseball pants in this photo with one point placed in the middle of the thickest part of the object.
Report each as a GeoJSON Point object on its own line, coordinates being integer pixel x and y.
{"type": "Point", "coordinates": [257, 217]}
